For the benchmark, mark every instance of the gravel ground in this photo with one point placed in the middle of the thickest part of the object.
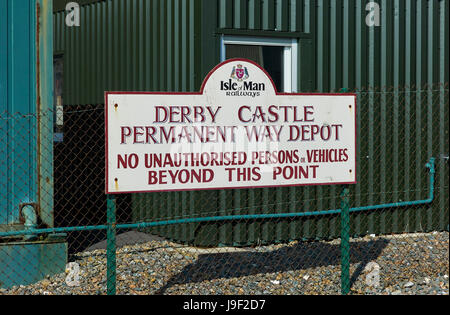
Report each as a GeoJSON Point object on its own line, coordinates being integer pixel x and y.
{"type": "Point", "coordinates": [408, 264]}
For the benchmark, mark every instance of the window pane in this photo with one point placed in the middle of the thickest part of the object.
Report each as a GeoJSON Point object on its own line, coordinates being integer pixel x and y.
{"type": "Point", "coordinates": [273, 61]}
{"type": "Point", "coordinates": [253, 53]}
{"type": "Point", "coordinates": [269, 57]}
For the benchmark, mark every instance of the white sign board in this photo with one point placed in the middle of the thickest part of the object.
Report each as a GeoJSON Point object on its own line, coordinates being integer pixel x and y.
{"type": "Point", "coordinates": [238, 132]}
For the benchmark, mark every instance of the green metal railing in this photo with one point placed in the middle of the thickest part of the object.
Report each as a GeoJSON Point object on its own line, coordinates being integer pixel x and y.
{"type": "Point", "coordinates": [430, 165]}
{"type": "Point", "coordinates": [111, 227]}
{"type": "Point", "coordinates": [111, 246]}
{"type": "Point", "coordinates": [345, 241]}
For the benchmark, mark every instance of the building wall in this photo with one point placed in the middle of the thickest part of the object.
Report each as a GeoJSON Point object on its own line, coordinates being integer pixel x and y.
{"type": "Point", "coordinates": [25, 91]}
{"type": "Point", "coordinates": [17, 94]}
{"type": "Point", "coordinates": [410, 47]}
{"type": "Point", "coordinates": [171, 45]}
{"type": "Point", "coordinates": [129, 45]}
{"type": "Point", "coordinates": [114, 49]}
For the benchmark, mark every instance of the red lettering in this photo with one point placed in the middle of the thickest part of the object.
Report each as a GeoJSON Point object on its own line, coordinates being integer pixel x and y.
{"type": "Point", "coordinates": [126, 132]}
{"type": "Point", "coordinates": [240, 114]}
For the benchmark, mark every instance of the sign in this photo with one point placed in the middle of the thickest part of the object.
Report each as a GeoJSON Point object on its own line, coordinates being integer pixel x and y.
{"type": "Point", "coordinates": [238, 132]}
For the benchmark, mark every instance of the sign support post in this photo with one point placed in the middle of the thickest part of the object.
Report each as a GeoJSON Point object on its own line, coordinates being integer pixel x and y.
{"type": "Point", "coordinates": [345, 240]}
{"type": "Point", "coordinates": [111, 245]}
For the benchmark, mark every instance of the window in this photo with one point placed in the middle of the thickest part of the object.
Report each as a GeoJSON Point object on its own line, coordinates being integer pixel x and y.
{"type": "Point", "coordinates": [277, 56]}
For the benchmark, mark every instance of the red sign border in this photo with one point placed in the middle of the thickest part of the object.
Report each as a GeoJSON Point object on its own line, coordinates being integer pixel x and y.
{"type": "Point", "coordinates": [201, 93]}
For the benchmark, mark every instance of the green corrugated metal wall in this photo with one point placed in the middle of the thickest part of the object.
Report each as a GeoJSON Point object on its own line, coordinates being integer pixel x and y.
{"type": "Point", "coordinates": [399, 130]}
{"type": "Point", "coordinates": [410, 46]}
{"type": "Point", "coordinates": [114, 48]}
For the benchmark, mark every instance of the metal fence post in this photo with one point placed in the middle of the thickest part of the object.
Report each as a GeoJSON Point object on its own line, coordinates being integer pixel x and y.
{"type": "Point", "coordinates": [345, 241]}
{"type": "Point", "coordinates": [111, 245]}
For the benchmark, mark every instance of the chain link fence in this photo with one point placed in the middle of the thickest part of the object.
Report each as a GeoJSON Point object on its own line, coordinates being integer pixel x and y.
{"type": "Point", "coordinates": [252, 241]}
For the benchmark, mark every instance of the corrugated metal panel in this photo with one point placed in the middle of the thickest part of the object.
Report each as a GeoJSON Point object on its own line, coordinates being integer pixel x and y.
{"type": "Point", "coordinates": [175, 42]}
{"type": "Point", "coordinates": [348, 52]}
{"type": "Point", "coordinates": [45, 103]}
{"type": "Point", "coordinates": [24, 145]}
{"type": "Point", "coordinates": [398, 128]}
{"type": "Point", "coordinates": [129, 45]}
{"type": "Point", "coordinates": [17, 95]}
{"type": "Point", "coordinates": [265, 15]}
{"type": "Point", "coordinates": [138, 45]}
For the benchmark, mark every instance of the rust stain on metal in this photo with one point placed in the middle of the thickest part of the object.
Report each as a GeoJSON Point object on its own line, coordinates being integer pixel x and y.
{"type": "Point", "coordinates": [38, 104]}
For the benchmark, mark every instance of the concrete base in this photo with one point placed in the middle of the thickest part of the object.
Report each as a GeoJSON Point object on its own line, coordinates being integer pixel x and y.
{"type": "Point", "coordinates": [28, 263]}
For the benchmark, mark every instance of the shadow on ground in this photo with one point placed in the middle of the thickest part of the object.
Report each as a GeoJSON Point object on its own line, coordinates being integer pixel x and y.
{"type": "Point", "coordinates": [290, 258]}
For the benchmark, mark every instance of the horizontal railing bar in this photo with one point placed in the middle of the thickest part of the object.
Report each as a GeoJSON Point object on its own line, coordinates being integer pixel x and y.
{"type": "Point", "coordinates": [430, 165]}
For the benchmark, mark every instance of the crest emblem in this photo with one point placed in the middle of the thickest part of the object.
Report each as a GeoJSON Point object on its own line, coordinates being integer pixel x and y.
{"type": "Point", "coordinates": [240, 73]}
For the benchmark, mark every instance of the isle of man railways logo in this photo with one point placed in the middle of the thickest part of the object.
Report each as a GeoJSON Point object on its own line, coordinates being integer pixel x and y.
{"type": "Point", "coordinates": [240, 73]}
{"type": "Point", "coordinates": [239, 83]}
